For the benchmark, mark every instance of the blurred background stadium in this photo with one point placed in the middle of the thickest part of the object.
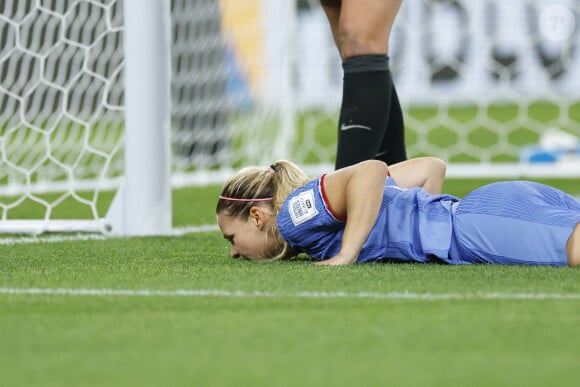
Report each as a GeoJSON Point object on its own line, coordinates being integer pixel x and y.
{"type": "Point", "coordinates": [490, 86]}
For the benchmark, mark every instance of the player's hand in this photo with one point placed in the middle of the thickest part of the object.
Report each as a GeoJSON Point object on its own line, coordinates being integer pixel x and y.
{"type": "Point", "coordinates": [338, 260]}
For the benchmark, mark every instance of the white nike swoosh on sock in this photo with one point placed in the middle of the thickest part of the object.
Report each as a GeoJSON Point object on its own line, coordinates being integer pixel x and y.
{"type": "Point", "coordinates": [344, 127]}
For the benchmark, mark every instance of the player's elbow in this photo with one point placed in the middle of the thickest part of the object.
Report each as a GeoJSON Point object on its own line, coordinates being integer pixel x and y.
{"type": "Point", "coordinates": [376, 168]}
{"type": "Point", "coordinates": [435, 175]}
{"type": "Point", "coordinates": [438, 167]}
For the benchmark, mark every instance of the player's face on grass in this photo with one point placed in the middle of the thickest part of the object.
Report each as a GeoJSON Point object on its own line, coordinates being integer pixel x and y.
{"type": "Point", "coordinates": [248, 237]}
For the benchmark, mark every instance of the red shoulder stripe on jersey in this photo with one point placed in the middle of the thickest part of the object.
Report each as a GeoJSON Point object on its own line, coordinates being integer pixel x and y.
{"type": "Point", "coordinates": [325, 199]}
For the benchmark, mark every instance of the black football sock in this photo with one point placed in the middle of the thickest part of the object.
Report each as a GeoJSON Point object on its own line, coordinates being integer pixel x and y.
{"type": "Point", "coordinates": [392, 149]}
{"type": "Point", "coordinates": [364, 113]}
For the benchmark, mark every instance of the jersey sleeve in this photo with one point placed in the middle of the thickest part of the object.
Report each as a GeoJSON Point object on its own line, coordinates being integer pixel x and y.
{"type": "Point", "coordinates": [391, 182]}
{"type": "Point", "coordinates": [306, 222]}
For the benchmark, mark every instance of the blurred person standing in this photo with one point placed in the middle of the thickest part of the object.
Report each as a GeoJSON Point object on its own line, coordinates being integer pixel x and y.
{"type": "Point", "coordinates": [371, 123]}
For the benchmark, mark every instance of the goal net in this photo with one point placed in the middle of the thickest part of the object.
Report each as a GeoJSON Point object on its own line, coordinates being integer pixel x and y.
{"type": "Point", "coordinates": [493, 87]}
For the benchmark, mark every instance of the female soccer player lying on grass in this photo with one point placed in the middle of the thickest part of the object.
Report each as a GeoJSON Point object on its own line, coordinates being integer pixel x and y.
{"type": "Point", "coordinates": [368, 212]}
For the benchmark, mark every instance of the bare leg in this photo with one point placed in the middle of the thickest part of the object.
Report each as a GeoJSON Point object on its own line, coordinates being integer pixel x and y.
{"type": "Point", "coordinates": [573, 247]}
{"type": "Point", "coordinates": [361, 27]}
{"type": "Point", "coordinates": [370, 122]}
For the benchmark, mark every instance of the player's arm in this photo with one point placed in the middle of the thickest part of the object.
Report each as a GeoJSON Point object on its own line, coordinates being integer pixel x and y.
{"type": "Point", "coordinates": [355, 193]}
{"type": "Point", "coordinates": [425, 172]}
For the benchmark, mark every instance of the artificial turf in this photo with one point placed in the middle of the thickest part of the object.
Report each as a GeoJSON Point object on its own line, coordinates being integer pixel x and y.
{"type": "Point", "coordinates": [177, 311]}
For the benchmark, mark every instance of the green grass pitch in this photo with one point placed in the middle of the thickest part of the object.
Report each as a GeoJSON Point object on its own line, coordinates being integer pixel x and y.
{"type": "Point", "coordinates": [177, 311]}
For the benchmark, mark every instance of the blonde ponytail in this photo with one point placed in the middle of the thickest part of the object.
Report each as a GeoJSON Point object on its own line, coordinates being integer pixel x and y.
{"type": "Point", "coordinates": [265, 186]}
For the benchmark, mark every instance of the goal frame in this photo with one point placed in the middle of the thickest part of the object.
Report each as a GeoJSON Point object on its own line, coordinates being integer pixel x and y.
{"type": "Point", "coordinates": [142, 203]}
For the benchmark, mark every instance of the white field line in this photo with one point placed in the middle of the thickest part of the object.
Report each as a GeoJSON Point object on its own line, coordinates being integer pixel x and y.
{"type": "Point", "coordinates": [195, 229]}
{"type": "Point", "coordinates": [200, 293]}
{"type": "Point", "coordinates": [85, 237]}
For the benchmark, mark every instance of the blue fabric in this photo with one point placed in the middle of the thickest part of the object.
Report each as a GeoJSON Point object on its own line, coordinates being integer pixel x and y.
{"type": "Point", "coordinates": [515, 223]}
{"type": "Point", "coordinates": [504, 223]}
{"type": "Point", "coordinates": [412, 226]}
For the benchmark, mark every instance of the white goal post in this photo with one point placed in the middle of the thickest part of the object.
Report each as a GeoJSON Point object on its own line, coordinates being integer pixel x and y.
{"type": "Point", "coordinates": [129, 98]}
{"type": "Point", "coordinates": [142, 204]}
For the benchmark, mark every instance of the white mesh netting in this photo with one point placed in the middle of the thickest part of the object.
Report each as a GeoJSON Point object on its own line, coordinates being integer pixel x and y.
{"type": "Point", "coordinates": [253, 81]}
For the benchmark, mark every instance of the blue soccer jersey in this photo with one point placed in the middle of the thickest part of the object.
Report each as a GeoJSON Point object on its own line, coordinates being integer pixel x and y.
{"type": "Point", "coordinates": [411, 226]}
{"type": "Point", "coordinates": [505, 223]}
